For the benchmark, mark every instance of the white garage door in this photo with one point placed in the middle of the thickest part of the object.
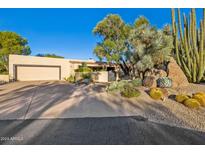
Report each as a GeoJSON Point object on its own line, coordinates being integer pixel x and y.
{"type": "Point", "coordinates": [32, 73]}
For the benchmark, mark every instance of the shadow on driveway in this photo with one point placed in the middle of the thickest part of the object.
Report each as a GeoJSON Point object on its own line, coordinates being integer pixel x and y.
{"type": "Point", "coordinates": [94, 131]}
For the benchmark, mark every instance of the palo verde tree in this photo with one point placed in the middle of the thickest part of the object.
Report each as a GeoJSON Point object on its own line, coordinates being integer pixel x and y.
{"type": "Point", "coordinates": [113, 33]}
{"type": "Point", "coordinates": [11, 43]}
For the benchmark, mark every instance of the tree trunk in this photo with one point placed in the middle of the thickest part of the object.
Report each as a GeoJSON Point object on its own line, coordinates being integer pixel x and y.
{"type": "Point", "coordinates": [117, 78]}
{"type": "Point", "coordinates": [126, 67]}
{"type": "Point", "coordinates": [117, 72]}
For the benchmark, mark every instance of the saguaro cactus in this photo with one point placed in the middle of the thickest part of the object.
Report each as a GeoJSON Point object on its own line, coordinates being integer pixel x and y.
{"type": "Point", "coordinates": [189, 45]}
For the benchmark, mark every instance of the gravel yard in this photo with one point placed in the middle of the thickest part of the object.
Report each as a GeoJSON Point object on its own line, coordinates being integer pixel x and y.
{"type": "Point", "coordinates": [167, 112]}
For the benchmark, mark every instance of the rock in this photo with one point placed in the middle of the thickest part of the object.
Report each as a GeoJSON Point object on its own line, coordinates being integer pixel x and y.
{"type": "Point", "coordinates": [162, 73]}
{"type": "Point", "coordinates": [85, 81]}
{"type": "Point", "coordinates": [156, 72]}
{"type": "Point", "coordinates": [165, 92]}
{"type": "Point", "coordinates": [150, 81]}
{"type": "Point", "coordinates": [176, 74]}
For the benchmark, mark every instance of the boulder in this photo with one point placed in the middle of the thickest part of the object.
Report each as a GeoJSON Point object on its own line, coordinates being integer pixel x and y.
{"type": "Point", "coordinates": [162, 73]}
{"type": "Point", "coordinates": [150, 81]}
{"type": "Point", "coordinates": [85, 81]}
{"type": "Point", "coordinates": [156, 72]}
{"type": "Point", "coordinates": [176, 74]}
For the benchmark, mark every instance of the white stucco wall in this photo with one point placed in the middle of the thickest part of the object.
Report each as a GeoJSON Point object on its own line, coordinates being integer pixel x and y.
{"type": "Point", "coordinates": [4, 78]}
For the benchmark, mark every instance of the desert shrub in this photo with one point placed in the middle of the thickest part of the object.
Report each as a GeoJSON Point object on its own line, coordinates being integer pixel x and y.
{"type": "Point", "coordinates": [4, 73]}
{"type": "Point", "coordinates": [117, 85]}
{"type": "Point", "coordinates": [83, 68]}
{"type": "Point", "coordinates": [156, 93]}
{"type": "Point", "coordinates": [136, 82]}
{"type": "Point", "coordinates": [181, 98]}
{"type": "Point", "coordinates": [86, 75]}
{"type": "Point", "coordinates": [130, 91]}
{"type": "Point", "coordinates": [192, 103]}
{"type": "Point", "coordinates": [70, 79]}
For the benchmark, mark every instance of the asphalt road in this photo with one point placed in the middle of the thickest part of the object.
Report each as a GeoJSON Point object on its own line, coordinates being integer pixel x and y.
{"type": "Point", "coordinates": [95, 131]}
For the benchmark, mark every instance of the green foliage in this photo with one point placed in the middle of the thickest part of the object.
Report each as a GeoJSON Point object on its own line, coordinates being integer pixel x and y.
{"type": "Point", "coordinates": [4, 72]}
{"type": "Point", "coordinates": [3, 69]}
{"type": "Point", "coordinates": [141, 21]}
{"type": "Point", "coordinates": [130, 91]}
{"type": "Point", "coordinates": [86, 75]}
{"type": "Point", "coordinates": [145, 63]}
{"type": "Point", "coordinates": [136, 48]}
{"type": "Point", "coordinates": [84, 68]}
{"type": "Point", "coordinates": [49, 55]}
{"type": "Point", "coordinates": [136, 82]}
{"type": "Point", "coordinates": [11, 43]}
{"type": "Point", "coordinates": [149, 47]}
{"type": "Point", "coordinates": [189, 45]}
{"type": "Point", "coordinates": [113, 33]}
{"type": "Point", "coordinates": [70, 79]}
{"type": "Point", "coordinates": [117, 85]}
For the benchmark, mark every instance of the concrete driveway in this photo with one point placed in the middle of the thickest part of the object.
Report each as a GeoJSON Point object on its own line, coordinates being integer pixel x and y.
{"type": "Point", "coordinates": [115, 130]}
{"type": "Point", "coordinates": [42, 100]}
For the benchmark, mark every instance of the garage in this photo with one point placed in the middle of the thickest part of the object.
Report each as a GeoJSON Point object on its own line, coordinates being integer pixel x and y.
{"type": "Point", "coordinates": [37, 72]}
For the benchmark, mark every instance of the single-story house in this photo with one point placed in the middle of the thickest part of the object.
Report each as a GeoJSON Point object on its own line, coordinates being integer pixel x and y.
{"type": "Point", "coordinates": [31, 68]}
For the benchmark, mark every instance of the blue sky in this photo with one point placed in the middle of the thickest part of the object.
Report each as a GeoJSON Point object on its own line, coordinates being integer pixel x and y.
{"type": "Point", "coordinates": [68, 32]}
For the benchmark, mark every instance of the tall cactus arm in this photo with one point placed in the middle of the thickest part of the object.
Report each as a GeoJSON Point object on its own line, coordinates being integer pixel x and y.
{"type": "Point", "coordinates": [201, 53]}
{"type": "Point", "coordinates": [186, 43]}
{"type": "Point", "coordinates": [204, 27]}
{"type": "Point", "coordinates": [194, 72]}
{"type": "Point", "coordinates": [173, 21]}
{"type": "Point", "coordinates": [180, 27]}
{"type": "Point", "coordinates": [190, 34]}
{"type": "Point", "coordinates": [204, 38]}
{"type": "Point", "coordinates": [189, 45]}
{"type": "Point", "coordinates": [194, 34]}
{"type": "Point", "coordinates": [176, 45]}
{"type": "Point", "coordinates": [186, 70]}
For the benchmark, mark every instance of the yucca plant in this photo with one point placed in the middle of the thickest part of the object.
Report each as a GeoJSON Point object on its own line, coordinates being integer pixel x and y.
{"type": "Point", "coordinates": [189, 45]}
